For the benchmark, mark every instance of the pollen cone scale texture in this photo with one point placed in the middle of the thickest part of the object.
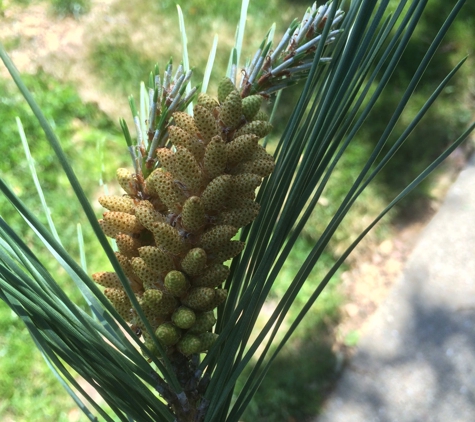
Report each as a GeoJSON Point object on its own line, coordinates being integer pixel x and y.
{"type": "Point", "coordinates": [175, 229]}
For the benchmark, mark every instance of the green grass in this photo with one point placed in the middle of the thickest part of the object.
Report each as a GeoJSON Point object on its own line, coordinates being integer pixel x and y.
{"type": "Point", "coordinates": [297, 392]}
{"type": "Point", "coordinates": [125, 55]}
{"type": "Point", "coordinates": [119, 63]}
{"type": "Point", "coordinates": [74, 8]}
{"type": "Point", "coordinates": [81, 127]}
{"type": "Point", "coordinates": [21, 2]}
{"type": "Point", "coordinates": [297, 382]}
{"type": "Point", "coordinates": [29, 391]}
{"type": "Point", "coordinates": [444, 121]}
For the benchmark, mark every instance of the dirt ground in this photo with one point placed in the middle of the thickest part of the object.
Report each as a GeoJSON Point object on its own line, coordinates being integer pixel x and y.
{"type": "Point", "coordinates": [59, 46]}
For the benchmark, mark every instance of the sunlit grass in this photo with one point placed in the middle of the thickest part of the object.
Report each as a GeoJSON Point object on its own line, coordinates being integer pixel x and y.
{"type": "Point", "coordinates": [122, 55]}
{"type": "Point", "coordinates": [29, 391]}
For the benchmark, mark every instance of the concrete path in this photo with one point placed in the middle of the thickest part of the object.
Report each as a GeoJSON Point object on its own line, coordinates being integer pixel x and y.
{"type": "Point", "coordinates": [416, 360]}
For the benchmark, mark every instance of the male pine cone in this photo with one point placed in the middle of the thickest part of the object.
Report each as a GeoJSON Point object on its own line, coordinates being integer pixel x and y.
{"type": "Point", "coordinates": [174, 229]}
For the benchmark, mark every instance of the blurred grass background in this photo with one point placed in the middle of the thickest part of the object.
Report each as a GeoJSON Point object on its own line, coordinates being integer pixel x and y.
{"type": "Point", "coordinates": [121, 41]}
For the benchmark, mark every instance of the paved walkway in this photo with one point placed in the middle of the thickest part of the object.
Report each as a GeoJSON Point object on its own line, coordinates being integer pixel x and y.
{"type": "Point", "coordinates": [416, 360]}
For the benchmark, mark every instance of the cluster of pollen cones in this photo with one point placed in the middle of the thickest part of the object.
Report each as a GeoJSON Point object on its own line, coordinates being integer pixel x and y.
{"type": "Point", "coordinates": [174, 229]}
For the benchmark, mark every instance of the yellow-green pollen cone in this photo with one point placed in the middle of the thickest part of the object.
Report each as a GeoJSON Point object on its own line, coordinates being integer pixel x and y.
{"type": "Point", "coordinates": [175, 229]}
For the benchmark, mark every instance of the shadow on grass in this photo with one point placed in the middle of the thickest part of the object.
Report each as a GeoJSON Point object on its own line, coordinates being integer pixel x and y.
{"type": "Point", "coordinates": [297, 382]}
